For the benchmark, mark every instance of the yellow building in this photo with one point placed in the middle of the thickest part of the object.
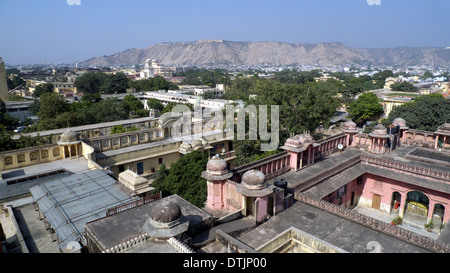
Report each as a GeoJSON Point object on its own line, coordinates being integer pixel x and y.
{"type": "Point", "coordinates": [390, 103]}
{"type": "Point", "coordinates": [142, 151]}
{"type": "Point", "coordinates": [389, 81]}
{"type": "Point", "coordinates": [64, 88]}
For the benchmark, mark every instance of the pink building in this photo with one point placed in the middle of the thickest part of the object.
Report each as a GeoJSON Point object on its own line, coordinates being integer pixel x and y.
{"type": "Point", "coordinates": [368, 172]}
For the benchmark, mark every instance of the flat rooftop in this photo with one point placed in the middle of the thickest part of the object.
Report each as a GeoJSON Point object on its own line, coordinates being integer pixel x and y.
{"type": "Point", "coordinates": [85, 127]}
{"type": "Point", "coordinates": [33, 175]}
{"type": "Point", "coordinates": [70, 202]}
{"type": "Point", "coordinates": [344, 234]}
{"type": "Point", "coordinates": [121, 227]}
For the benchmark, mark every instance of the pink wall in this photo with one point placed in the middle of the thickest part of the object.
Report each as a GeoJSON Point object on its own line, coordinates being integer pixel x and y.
{"type": "Point", "coordinates": [385, 187]}
{"type": "Point", "coordinates": [261, 209]}
{"type": "Point", "coordinates": [345, 200]}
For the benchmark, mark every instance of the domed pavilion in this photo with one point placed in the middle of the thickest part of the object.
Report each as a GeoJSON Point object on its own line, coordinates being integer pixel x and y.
{"type": "Point", "coordinates": [442, 136]}
{"type": "Point", "coordinates": [301, 148]}
{"type": "Point", "coordinates": [165, 221]}
{"type": "Point", "coordinates": [349, 128]}
{"type": "Point", "coordinates": [379, 138]}
{"type": "Point", "coordinates": [216, 175]}
{"type": "Point", "coordinates": [70, 143]}
{"type": "Point", "coordinates": [255, 191]}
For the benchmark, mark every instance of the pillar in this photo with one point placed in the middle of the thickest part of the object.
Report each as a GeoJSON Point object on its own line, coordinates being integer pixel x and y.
{"type": "Point", "coordinates": [430, 211]}
{"type": "Point", "coordinates": [261, 204]}
{"type": "Point", "coordinates": [294, 161]}
{"type": "Point", "coordinates": [401, 211]}
{"type": "Point", "coordinates": [215, 198]}
{"type": "Point", "coordinates": [301, 160]}
{"type": "Point", "coordinates": [436, 142]}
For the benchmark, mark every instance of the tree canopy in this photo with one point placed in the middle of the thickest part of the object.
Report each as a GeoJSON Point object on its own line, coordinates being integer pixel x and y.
{"type": "Point", "coordinates": [90, 82]}
{"type": "Point", "coordinates": [43, 88]}
{"type": "Point", "coordinates": [155, 104]}
{"type": "Point", "coordinates": [184, 178]}
{"type": "Point", "coordinates": [302, 106]}
{"type": "Point", "coordinates": [365, 108]}
{"type": "Point", "coordinates": [152, 84]}
{"type": "Point", "coordinates": [426, 112]}
{"type": "Point", "coordinates": [404, 87]}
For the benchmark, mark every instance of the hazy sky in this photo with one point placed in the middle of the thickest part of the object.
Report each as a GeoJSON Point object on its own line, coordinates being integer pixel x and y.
{"type": "Point", "coordinates": [47, 31]}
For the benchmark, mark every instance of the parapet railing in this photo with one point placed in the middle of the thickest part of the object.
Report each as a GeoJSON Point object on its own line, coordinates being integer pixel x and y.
{"type": "Point", "coordinates": [407, 167]}
{"type": "Point", "coordinates": [313, 180]}
{"type": "Point", "coordinates": [416, 169]}
{"type": "Point", "coordinates": [133, 204]}
{"type": "Point", "coordinates": [402, 234]}
{"type": "Point", "coordinates": [180, 246]}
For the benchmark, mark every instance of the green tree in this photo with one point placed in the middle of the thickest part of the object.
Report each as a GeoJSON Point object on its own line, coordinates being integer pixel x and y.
{"type": "Point", "coordinates": [52, 105]}
{"type": "Point", "coordinates": [134, 106]}
{"type": "Point", "coordinates": [427, 75]}
{"type": "Point", "coordinates": [114, 84]}
{"type": "Point", "coordinates": [426, 112]}
{"type": "Point", "coordinates": [90, 82]}
{"type": "Point", "coordinates": [153, 84]}
{"type": "Point", "coordinates": [302, 106]}
{"type": "Point", "coordinates": [365, 108]}
{"type": "Point", "coordinates": [184, 178]}
{"type": "Point", "coordinates": [158, 182]}
{"type": "Point", "coordinates": [404, 87]}
{"type": "Point", "coordinates": [117, 129]}
{"type": "Point", "coordinates": [380, 77]}
{"type": "Point", "coordinates": [15, 82]}
{"type": "Point", "coordinates": [155, 104]}
{"type": "Point", "coordinates": [43, 88]}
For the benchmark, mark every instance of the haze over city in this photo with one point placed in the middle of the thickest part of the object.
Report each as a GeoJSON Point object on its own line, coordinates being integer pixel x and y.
{"type": "Point", "coordinates": [71, 31]}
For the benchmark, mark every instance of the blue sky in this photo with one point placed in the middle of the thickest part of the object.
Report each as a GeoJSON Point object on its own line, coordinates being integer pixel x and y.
{"type": "Point", "coordinates": [47, 31]}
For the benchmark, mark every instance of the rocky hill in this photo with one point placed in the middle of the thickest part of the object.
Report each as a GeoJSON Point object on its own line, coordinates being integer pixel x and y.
{"type": "Point", "coordinates": [218, 52]}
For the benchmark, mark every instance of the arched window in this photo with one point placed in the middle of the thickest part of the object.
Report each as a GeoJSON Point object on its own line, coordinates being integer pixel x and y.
{"type": "Point", "coordinates": [8, 160]}
{"type": "Point", "coordinates": [33, 156]}
{"type": "Point", "coordinates": [21, 158]}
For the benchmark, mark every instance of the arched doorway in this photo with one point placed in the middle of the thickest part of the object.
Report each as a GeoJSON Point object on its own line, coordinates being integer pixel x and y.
{"type": "Point", "coordinates": [416, 207]}
{"type": "Point", "coordinates": [166, 132]}
{"type": "Point", "coordinates": [395, 202]}
{"type": "Point", "coordinates": [66, 152]}
{"type": "Point", "coordinates": [438, 216]}
{"type": "Point", "coordinates": [73, 150]}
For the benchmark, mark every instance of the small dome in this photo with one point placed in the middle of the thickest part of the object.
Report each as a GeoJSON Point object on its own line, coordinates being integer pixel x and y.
{"type": "Point", "coordinates": [349, 125]}
{"type": "Point", "coordinates": [399, 121]}
{"type": "Point", "coordinates": [299, 141]}
{"type": "Point", "coordinates": [254, 179]}
{"type": "Point", "coordinates": [68, 136]}
{"type": "Point", "coordinates": [379, 130]}
{"type": "Point", "coordinates": [165, 212]}
{"type": "Point", "coordinates": [217, 165]}
{"type": "Point", "coordinates": [444, 127]}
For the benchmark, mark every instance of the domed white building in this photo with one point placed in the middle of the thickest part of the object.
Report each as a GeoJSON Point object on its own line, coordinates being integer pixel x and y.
{"type": "Point", "coordinates": [70, 144]}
